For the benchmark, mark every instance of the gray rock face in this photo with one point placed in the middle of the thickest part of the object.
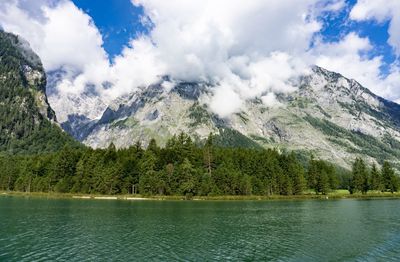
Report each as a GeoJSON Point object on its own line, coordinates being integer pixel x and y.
{"type": "Point", "coordinates": [276, 131]}
{"type": "Point", "coordinates": [152, 116]}
{"type": "Point", "coordinates": [329, 116]}
{"type": "Point", "coordinates": [88, 103]}
{"type": "Point", "coordinates": [79, 126]}
{"type": "Point", "coordinates": [190, 91]}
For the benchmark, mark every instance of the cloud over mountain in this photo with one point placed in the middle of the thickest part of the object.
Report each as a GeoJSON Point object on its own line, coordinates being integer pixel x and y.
{"type": "Point", "coordinates": [246, 49]}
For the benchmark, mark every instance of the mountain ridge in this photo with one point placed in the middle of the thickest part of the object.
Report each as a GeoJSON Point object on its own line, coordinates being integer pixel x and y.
{"type": "Point", "coordinates": [330, 116]}
{"type": "Point", "coordinates": [327, 107]}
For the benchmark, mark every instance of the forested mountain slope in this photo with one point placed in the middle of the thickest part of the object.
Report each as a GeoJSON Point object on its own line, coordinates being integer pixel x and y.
{"type": "Point", "coordinates": [27, 122]}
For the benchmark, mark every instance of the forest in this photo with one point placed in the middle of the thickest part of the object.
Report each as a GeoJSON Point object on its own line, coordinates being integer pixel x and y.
{"type": "Point", "coordinates": [185, 168]}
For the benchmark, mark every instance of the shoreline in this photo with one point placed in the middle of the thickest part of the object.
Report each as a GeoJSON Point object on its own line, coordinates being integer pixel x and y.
{"type": "Point", "coordinates": [331, 196]}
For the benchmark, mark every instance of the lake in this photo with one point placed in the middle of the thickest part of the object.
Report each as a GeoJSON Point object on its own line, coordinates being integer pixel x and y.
{"type": "Point", "coordinates": [36, 229]}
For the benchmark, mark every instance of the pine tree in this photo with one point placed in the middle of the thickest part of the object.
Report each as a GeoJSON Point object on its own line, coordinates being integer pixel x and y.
{"type": "Point", "coordinates": [312, 174]}
{"type": "Point", "coordinates": [360, 181]}
{"type": "Point", "coordinates": [153, 147]}
{"type": "Point", "coordinates": [187, 185]}
{"type": "Point", "coordinates": [376, 179]}
{"type": "Point", "coordinates": [389, 179]}
{"type": "Point", "coordinates": [296, 174]}
{"type": "Point", "coordinates": [208, 155]}
{"type": "Point", "coordinates": [318, 176]}
{"type": "Point", "coordinates": [147, 179]}
{"type": "Point", "coordinates": [322, 185]}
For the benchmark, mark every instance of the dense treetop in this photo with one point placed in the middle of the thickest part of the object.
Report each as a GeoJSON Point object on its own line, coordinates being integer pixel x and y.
{"type": "Point", "coordinates": [184, 168]}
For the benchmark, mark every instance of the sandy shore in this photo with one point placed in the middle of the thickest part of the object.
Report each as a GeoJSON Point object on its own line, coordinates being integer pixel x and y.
{"type": "Point", "coordinates": [111, 198]}
{"type": "Point", "coordinates": [339, 194]}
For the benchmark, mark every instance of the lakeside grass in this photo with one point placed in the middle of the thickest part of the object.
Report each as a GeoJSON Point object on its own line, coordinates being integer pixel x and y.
{"type": "Point", "coordinates": [337, 194]}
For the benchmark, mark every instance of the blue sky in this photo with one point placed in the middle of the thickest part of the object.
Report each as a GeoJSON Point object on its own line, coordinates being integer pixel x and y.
{"type": "Point", "coordinates": [248, 49]}
{"type": "Point", "coordinates": [119, 21]}
{"type": "Point", "coordinates": [338, 25]}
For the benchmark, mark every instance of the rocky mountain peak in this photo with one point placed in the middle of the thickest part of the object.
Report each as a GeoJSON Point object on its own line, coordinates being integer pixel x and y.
{"type": "Point", "coordinates": [329, 115]}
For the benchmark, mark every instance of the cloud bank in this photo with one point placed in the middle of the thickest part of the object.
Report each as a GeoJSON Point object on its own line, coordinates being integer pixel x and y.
{"type": "Point", "coordinates": [246, 48]}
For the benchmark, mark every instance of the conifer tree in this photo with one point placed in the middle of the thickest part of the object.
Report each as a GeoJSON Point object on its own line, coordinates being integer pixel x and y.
{"type": "Point", "coordinates": [376, 179]}
{"type": "Point", "coordinates": [208, 154]}
{"type": "Point", "coordinates": [360, 181]}
{"type": "Point", "coordinates": [389, 180]}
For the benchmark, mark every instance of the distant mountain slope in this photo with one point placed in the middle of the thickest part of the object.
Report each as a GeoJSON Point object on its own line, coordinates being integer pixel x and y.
{"type": "Point", "coordinates": [330, 116]}
{"type": "Point", "coordinates": [27, 122]}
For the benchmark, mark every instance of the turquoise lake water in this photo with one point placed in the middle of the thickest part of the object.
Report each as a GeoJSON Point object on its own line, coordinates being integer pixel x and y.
{"type": "Point", "coordinates": [35, 229]}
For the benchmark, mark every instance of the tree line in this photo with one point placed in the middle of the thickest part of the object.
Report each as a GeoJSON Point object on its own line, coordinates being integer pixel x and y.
{"type": "Point", "coordinates": [364, 179]}
{"type": "Point", "coordinates": [185, 168]}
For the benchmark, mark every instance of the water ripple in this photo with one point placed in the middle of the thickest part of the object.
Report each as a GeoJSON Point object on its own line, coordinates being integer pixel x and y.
{"type": "Point", "coordinates": [71, 230]}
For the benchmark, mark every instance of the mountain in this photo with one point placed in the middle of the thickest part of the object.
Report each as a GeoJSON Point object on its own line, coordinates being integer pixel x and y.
{"type": "Point", "coordinates": [71, 105]}
{"type": "Point", "coordinates": [27, 122]}
{"type": "Point", "coordinates": [329, 116]}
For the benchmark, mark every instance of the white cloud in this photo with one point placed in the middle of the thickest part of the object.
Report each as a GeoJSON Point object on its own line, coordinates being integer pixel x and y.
{"type": "Point", "coordinates": [380, 11]}
{"type": "Point", "coordinates": [64, 36]}
{"type": "Point", "coordinates": [249, 46]}
{"type": "Point", "coordinates": [332, 5]}
{"type": "Point", "coordinates": [226, 101]}
{"type": "Point", "coordinates": [66, 39]}
{"type": "Point", "coordinates": [348, 58]}
{"type": "Point", "coordinates": [138, 65]}
{"type": "Point", "coordinates": [270, 100]}
{"type": "Point", "coordinates": [197, 38]}
{"type": "Point", "coordinates": [246, 48]}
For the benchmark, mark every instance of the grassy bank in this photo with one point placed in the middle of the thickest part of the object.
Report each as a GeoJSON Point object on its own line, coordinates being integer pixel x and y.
{"type": "Point", "coordinates": [337, 194]}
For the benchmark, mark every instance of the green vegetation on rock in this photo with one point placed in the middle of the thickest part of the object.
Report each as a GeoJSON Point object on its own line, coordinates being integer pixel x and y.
{"type": "Point", "coordinates": [365, 144]}
{"type": "Point", "coordinates": [198, 114]}
{"type": "Point", "coordinates": [231, 138]}
{"type": "Point", "coordinates": [26, 119]}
